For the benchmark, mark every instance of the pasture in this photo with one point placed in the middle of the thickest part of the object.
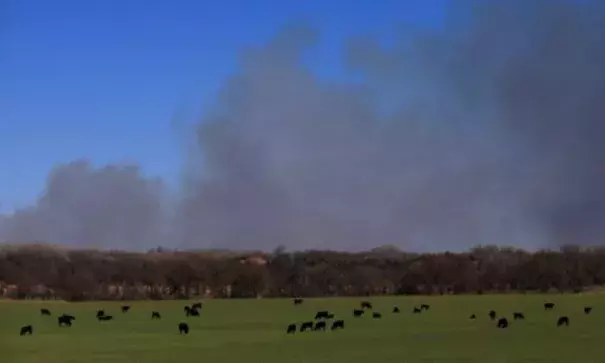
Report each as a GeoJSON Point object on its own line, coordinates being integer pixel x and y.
{"type": "Point", "coordinates": [255, 331]}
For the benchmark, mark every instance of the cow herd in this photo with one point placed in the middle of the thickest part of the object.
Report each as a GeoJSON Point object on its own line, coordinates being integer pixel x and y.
{"type": "Point", "coordinates": [503, 323]}
{"type": "Point", "coordinates": [322, 319]}
{"type": "Point", "coordinates": [65, 320]}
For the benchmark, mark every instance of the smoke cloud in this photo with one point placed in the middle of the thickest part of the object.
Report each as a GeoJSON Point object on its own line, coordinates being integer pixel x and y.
{"type": "Point", "coordinates": [489, 130]}
{"type": "Point", "coordinates": [107, 207]}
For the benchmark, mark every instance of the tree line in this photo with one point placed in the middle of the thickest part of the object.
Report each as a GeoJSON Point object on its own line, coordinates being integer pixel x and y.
{"type": "Point", "coordinates": [48, 272]}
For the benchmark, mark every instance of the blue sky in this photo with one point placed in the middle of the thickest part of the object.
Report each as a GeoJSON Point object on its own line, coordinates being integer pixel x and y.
{"type": "Point", "coordinates": [103, 79]}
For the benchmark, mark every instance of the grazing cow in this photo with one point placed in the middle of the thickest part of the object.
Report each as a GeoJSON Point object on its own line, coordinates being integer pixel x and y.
{"type": "Point", "coordinates": [425, 307]}
{"type": "Point", "coordinates": [45, 312]}
{"type": "Point", "coordinates": [322, 314]}
{"type": "Point", "coordinates": [502, 323]}
{"type": "Point", "coordinates": [366, 305]}
{"type": "Point", "coordinates": [105, 318]}
{"type": "Point", "coordinates": [395, 310]}
{"type": "Point", "coordinates": [28, 329]}
{"type": "Point", "coordinates": [298, 301]}
{"type": "Point", "coordinates": [100, 313]}
{"type": "Point", "coordinates": [197, 306]}
{"type": "Point", "coordinates": [376, 315]}
{"type": "Point", "coordinates": [416, 310]}
{"type": "Point", "coordinates": [183, 328]}
{"type": "Point", "coordinates": [193, 312]}
{"type": "Point", "coordinates": [320, 325]}
{"type": "Point", "coordinates": [125, 308]}
{"type": "Point", "coordinates": [291, 329]}
{"type": "Point", "coordinates": [549, 306]}
{"type": "Point", "coordinates": [357, 313]}
{"type": "Point", "coordinates": [587, 310]}
{"type": "Point", "coordinates": [492, 315]}
{"type": "Point", "coordinates": [155, 315]}
{"type": "Point", "coordinates": [338, 324]}
{"type": "Point", "coordinates": [189, 311]}
{"type": "Point", "coordinates": [518, 316]}
{"type": "Point", "coordinates": [65, 320]}
{"type": "Point", "coordinates": [306, 325]}
{"type": "Point", "coordinates": [473, 317]}
{"type": "Point", "coordinates": [563, 320]}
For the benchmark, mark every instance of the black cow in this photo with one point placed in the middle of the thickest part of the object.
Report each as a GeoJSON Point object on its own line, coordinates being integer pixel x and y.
{"type": "Point", "coordinates": [100, 313]}
{"type": "Point", "coordinates": [105, 318]}
{"type": "Point", "coordinates": [298, 301]}
{"type": "Point", "coordinates": [322, 314]}
{"type": "Point", "coordinates": [125, 308]}
{"type": "Point", "coordinates": [291, 329]}
{"type": "Point", "coordinates": [549, 306]}
{"type": "Point", "coordinates": [587, 310]}
{"type": "Point", "coordinates": [473, 317]}
{"type": "Point", "coordinates": [366, 305]}
{"type": "Point", "coordinates": [416, 310]}
{"type": "Point", "coordinates": [563, 320]}
{"type": "Point", "coordinates": [320, 325]}
{"type": "Point", "coordinates": [357, 313]}
{"type": "Point", "coordinates": [338, 324]}
{"type": "Point", "coordinates": [183, 328]}
{"type": "Point", "coordinates": [425, 307]}
{"type": "Point", "coordinates": [492, 315]}
{"type": "Point", "coordinates": [197, 305]}
{"type": "Point", "coordinates": [65, 320]}
{"type": "Point", "coordinates": [395, 310]}
{"type": "Point", "coordinates": [28, 329]}
{"type": "Point", "coordinates": [155, 315]}
{"type": "Point", "coordinates": [189, 311]}
{"type": "Point", "coordinates": [376, 315]}
{"type": "Point", "coordinates": [45, 312]}
{"type": "Point", "coordinates": [502, 323]}
{"type": "Point", "coordinates": [306, 325]}
{"type": "Point", "coordinates": [193, 312]}
{"type": "Point", "coordinates": [518, 316]}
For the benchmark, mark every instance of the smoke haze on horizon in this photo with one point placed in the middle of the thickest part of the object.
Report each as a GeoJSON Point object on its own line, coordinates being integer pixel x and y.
{"type": "Point", "coordinates": [488, 131]}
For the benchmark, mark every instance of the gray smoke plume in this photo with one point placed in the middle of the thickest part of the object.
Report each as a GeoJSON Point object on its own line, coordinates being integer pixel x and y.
{"type": "Point", "coordinates": [108, 207]}
{"type": "Point", "coordinates": [489, 130]}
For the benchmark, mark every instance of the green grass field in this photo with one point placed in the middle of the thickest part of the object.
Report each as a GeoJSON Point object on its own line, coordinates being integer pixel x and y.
{"type": "Point", "coordinates": [254, 331]}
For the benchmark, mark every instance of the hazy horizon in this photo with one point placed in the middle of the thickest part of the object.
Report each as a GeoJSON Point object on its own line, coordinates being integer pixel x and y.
{"type": "Point", "coordinates": [479, 124]}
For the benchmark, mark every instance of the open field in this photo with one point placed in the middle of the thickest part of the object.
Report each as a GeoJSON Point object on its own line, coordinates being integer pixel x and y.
{"type": "Point", "coordinates": [254, 331]}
